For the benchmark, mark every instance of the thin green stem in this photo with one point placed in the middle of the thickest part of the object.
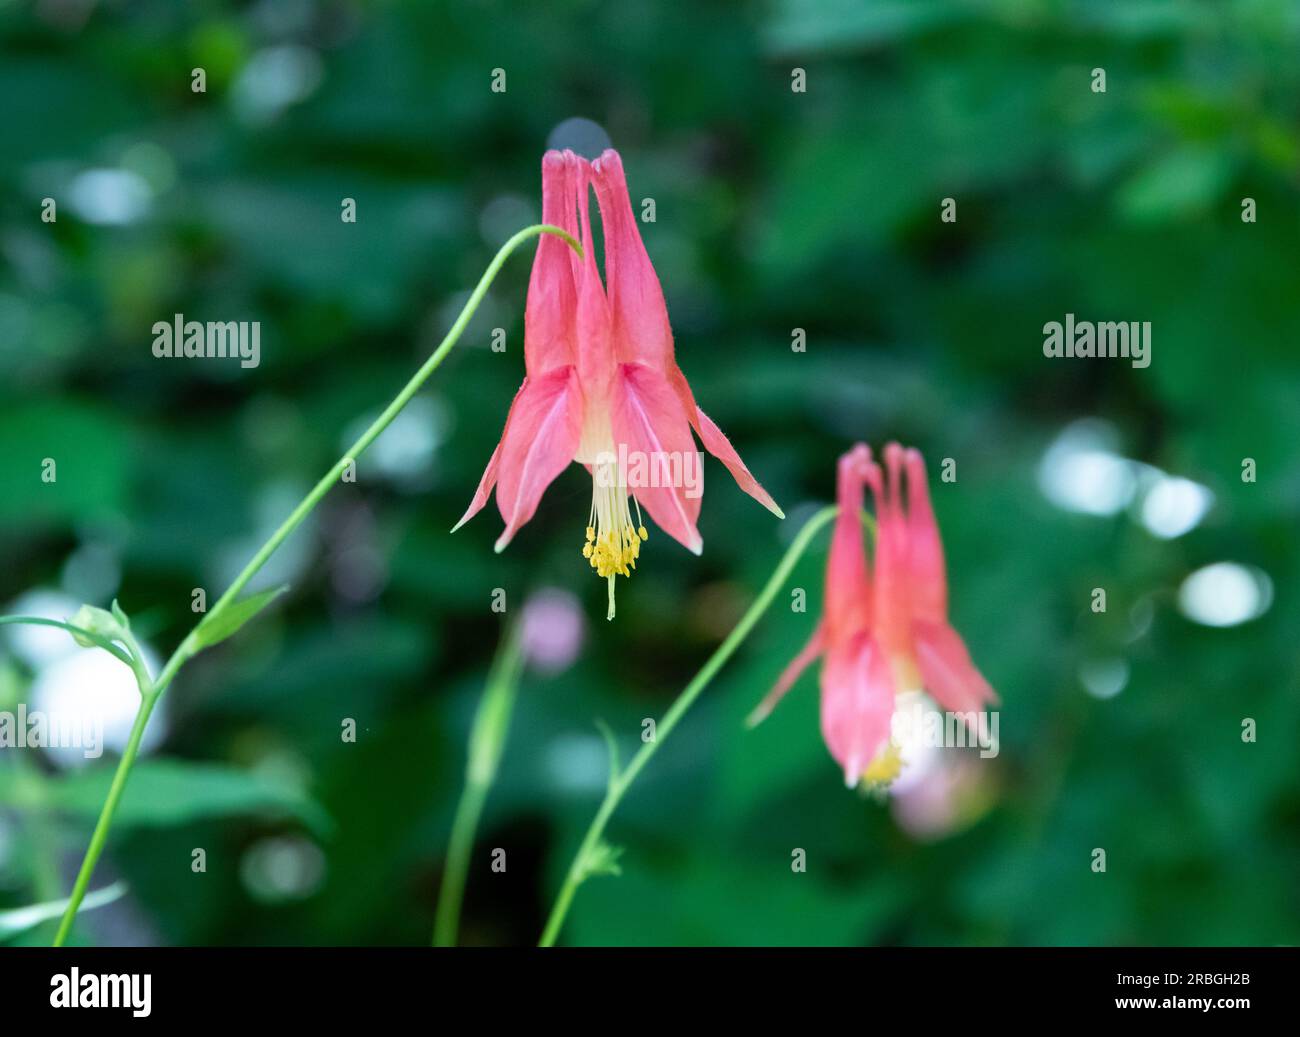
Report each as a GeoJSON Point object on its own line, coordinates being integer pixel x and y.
{"type": "Point", "coordinates": [620, 782]}
{"type": "Point", "coordinates": [330, 478]}
{"type": "Point", "coordinates": [41, 621]}
{"type": "Point", "coordinates": [100, 835]}
{"type": "Point", "coordinates": [486, 742]}
{"type": "Point", "coordinates": [189, 646]}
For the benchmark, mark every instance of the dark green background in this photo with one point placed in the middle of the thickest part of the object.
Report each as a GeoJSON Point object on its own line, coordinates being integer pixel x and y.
{"type": "Point", "coordinates": [775, 210]}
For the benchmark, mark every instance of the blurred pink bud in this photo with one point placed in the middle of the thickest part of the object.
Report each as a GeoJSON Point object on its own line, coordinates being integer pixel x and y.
{"type": "Point", "coordinates": [554, 630]}
{"type": "Point", "coordinates": [948, 797]}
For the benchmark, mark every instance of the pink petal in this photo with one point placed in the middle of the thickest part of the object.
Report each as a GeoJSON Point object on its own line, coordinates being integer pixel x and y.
{"type": "Point", "coordinates": [541, 438]}
{"type": "Point", "coordinates": [484, 488]}
{"type": "Point", "coordinates": [720, 447]}
{"type": "Point", "coordinates": [490, 472]}
{"type": "Point", "coordinates": [929, 579]}
{"type": "Point", "coordinates": [947, 671]}
{"type": "Point", "coordinates": [848, 591]}
{"type": "Point", "coordinates": [857, 704]}
{"type": "Point", "coordinates": [641, 332]}
{"type": "Point", "coordinates": [891, 607]}
{"type": "Point", "coordinates": [648, 422]}
{"type": "Point", "coordinates": [595, 352]}
{"type": "Point", "coordinates": [807, 655]}
{"type": "Point", "coordinates": [716, 443]}
{"type": "Point", "coordinates": [550, 314]}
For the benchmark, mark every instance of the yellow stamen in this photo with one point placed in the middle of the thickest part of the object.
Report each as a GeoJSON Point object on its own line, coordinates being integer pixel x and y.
{"type": "Point", "coordinates": [613, 541]}
{"type": "Point", "coordinates": [886, 766]}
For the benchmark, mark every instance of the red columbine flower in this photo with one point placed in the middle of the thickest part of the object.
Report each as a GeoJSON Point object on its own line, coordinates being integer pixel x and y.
{"type": "Point", "coordinates": [885, 636]}
{"type": "Point", "coordinates": [602, 386]}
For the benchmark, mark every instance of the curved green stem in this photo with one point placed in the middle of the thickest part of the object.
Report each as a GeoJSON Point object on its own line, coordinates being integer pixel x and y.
{"type": "Point", "coordinates": [330, 478]}
{"type": "Point", "coordinates": [189, 647]}
{"type": "Point", "coordinates": [42, 621]}
{"type": "Point", "coordinates": [486, 741]}
{"type": "Point", "coordinates": [588, 854]}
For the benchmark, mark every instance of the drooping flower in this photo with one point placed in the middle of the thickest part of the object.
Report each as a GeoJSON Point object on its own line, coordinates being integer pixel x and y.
{"type": "Point", "coordinates": [884, 629]}
{"type": "Point", "coordinates": [601, 385]}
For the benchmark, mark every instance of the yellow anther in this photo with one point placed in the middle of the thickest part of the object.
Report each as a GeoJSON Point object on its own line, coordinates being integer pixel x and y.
{"type": "Point", "coordinates": [614, 537]}
{"type": "Point", "coordinates": [885, 767]}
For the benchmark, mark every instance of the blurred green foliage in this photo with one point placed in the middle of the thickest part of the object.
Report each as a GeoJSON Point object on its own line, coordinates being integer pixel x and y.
{"type": "Point", "coordinates": [775, 210]}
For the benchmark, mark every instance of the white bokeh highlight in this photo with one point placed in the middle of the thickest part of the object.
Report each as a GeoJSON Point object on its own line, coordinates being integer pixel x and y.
{"type": "Point", "coordinates": [1082, 472]}
{"type": "Point", "coordinates": [1225, 594]}
{"type": "Point", "coordinates": [1174, 506]}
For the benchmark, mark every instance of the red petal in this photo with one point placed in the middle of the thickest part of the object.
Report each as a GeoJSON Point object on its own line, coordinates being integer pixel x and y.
{"type": "Point", "coordinates": [648, 423]}
{"type": "Point", "coordinates": [807, 655]}
{"type": "Point", "coordinates": [947, 671]}
{"type": "Point", "coordinates": [541, 438]}
{"type": "Point", "coordinates": [716, 443]}
{"type": "Point", "coordinates": [929, 580]}
{"type": "Point", "coordinates": [857, 704]}
{"type": "Point", "coordinates": [490, 472]}
{"type": "Point", "coordinates": [550, 314]}
{"type": "Point", "coordinates": [484, 489]}
{"type": "Point", "coordinates": [848, 590]}
{"type": "Point", "coordinates": [641, 330]}
{"type": "Point", "coordinates": [891, 606]}
{"type": "Point", "coordinates": [595, 353]}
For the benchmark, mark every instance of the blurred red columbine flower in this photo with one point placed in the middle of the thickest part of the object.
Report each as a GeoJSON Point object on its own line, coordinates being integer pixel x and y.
{"type": "Point", "coordinates": [601, 384]}
{"type": "Point", "coordinates": [882, 636]}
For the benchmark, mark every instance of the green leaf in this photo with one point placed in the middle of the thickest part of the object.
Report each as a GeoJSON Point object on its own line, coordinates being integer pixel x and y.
{"type": "Point", "coordinates": [844, 26]}
{"type": "Point", "coordinates": [603, 860]}
{"type": "Point", "coordinates": [492, 721]}
{"type": "Point", "coordinates": [714, 902]}
{"type": "Point", "coordinates": [1188, 181]}
{"type": "Point", "coordinates": [219, 625]}
{"type": "Point", "coordinates": [611, 744]}
{"type": "Point", "coordinates": [175, 792]}
{"type": "Point", "coordinates": [20, 919]}
{"type": "Point", "coordinates": [91, 475]}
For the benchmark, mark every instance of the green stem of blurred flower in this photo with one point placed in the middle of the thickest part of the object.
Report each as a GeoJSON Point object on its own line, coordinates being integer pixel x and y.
{"type": "Point", "coordinates": [32, 792]}
{"type": "Point", "coordinates": [151, 690]}
{"type": "Point", "coordinates": [592, 856]}
{"type": "Point", "coordinates": [486, 740]}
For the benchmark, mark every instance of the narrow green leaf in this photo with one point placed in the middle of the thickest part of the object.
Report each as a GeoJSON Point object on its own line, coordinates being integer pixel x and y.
{"type": "Point", "coordinates": [217, 626]}
{"type": "Point", "coordinates": [492, 721]}
{"type": "Point", "coordinates": [611, 743]}
{"type": "Point", "coordinates": [175, 792]}
{"type": "Point", "coordinates": [603, 860]}
{"type": "Point", "coordinates": [20, 919]}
